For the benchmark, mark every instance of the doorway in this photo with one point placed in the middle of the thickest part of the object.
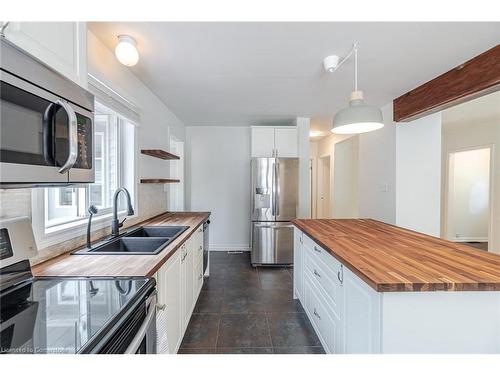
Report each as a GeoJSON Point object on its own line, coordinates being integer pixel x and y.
{"type": "Point", "coordinates": [323, 207]}
{"type": "Point", "coordinates": [469, 195]}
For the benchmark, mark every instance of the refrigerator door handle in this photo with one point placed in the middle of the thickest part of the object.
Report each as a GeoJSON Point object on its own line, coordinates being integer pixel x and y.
{"type": "Point", "coordinates": [277, 187]}
{"type": "Point", "coordinates": [273, 191]}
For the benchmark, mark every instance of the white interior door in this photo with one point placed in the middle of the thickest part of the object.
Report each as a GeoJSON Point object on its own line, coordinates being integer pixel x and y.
{"type": "Point", "coordinates": [324, 188]}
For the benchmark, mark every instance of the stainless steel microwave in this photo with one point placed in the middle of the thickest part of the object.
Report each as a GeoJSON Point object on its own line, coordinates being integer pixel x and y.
{"type": "Point", "coordinates": [46, 124]}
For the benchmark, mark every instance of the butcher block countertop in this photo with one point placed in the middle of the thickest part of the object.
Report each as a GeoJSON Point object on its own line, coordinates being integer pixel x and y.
{"type": "Point", "coordinates": [393, 259]}
{"type": "Point", "coordinates": [124, 265]}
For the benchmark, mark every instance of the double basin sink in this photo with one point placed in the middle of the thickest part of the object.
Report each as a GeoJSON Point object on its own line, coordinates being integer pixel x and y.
{"type": "Point", "coordinates": [139, 241]}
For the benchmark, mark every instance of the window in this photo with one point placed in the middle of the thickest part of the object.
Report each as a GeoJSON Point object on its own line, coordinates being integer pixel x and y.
{"type": "Point", "coordinates": [113, 136]}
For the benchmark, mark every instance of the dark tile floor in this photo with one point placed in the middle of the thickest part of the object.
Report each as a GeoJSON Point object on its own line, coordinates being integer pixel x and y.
{"type": "Point", "coordinates": [246, 310]}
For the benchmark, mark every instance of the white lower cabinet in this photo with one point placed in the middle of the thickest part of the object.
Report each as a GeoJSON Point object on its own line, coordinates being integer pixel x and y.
{"type": "Point", "coordinates": [343, 310]}
{"type": "Point", "coordinates": [179, 285]}
{"type": "Point", "coordinates": [351, 317]}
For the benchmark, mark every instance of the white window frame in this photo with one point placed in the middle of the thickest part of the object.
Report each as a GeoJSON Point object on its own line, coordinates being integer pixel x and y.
{"type": "Point", "coordinates": [50, 236]}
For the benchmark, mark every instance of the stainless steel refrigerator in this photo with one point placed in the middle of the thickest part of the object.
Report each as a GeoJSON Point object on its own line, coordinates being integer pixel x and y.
{"type": "Point", "coordinates": [274, 203]}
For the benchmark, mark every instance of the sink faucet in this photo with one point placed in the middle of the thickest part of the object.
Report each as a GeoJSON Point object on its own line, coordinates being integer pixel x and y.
{"type": "Point", "coordinates": [115, 224]}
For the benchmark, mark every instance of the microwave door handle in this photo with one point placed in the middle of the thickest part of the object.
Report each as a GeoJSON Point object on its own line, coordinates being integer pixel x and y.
{"type": "Point", "coordinates": [72, 136]}
{"type": "Point", "coordinates": [48, 134]}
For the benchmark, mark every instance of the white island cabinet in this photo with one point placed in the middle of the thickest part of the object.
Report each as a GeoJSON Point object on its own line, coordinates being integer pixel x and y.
{"type": "Point", "coordinates": [350, 316]}
{"type": "Point", "coordinates": [179, 282]}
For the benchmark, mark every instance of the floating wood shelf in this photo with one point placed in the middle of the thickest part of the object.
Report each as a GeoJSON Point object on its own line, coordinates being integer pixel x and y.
{"type": "Point", "coordinates": [161, 154]}
{"type": "Point", "coordinates": [159, 180]}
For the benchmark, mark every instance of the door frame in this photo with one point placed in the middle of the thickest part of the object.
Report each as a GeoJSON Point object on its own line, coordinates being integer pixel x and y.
{"type": "Point", "coordinates": [449, 184]}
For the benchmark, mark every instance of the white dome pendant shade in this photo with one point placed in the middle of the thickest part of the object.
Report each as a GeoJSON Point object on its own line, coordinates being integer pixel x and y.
{"type": "Point", "coordinates": [358, 117]}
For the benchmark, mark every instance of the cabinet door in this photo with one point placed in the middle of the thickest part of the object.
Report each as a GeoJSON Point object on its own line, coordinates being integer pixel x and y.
{"type": "Point", "coordinates": [61, 45]}
{"type": "Point", "coordinates": [262, 142]}
{"type": "Point", "coordinates": [286, 142]}
{"type": "Point", "coordinates": [188, 280]}
{"type": "Point", "coordinates": [297, 264]}
{"type": "Point", "coordinates": [361, 318]}
{"type": "Point", "coordinates": [169, 294]}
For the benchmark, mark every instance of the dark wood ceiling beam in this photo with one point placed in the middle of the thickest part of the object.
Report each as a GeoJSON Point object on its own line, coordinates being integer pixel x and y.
{"type": "Point", "coordinates": [474, 78]}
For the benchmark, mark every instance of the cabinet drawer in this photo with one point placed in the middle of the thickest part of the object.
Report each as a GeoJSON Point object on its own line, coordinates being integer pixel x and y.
{"type": "Point", "coordinates": [326, 326]}
{"type": "Point", "coordinates": [326, 282]}
{"type": "Point", "coordinates": [319, 253]}
{"type": "Point", "coordinates": [198, 279]}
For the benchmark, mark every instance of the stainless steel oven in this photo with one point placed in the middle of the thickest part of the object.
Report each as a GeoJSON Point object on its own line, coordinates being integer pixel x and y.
{"type": "Point", "coordinates": [46, 124]}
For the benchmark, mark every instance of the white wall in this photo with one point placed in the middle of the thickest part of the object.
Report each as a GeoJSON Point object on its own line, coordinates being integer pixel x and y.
{"type": "Point", "coordinates": [304, 209]}
{"type": "Point", "coordinates": [377, 171]}
{"type": "Point", "coordinates": [418, 174]}
{"type": "Point", "coordinates": [345, 179]}
{"type": "Point", "coordinates": [218, 180]}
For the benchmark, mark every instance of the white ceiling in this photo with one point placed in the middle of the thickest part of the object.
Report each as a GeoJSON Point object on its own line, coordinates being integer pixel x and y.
{"type": "Point", "coordinates": [270, 73]}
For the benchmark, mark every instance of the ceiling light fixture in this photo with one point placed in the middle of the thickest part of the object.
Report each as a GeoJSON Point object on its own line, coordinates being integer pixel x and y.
{"type": "Point", "coordinates": [358, 117]}
{"type": "Point", "coordinates": [126, 50]}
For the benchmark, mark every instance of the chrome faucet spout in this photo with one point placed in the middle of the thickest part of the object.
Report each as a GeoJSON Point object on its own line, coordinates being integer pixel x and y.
{"type": "Point", "coordinates": [116, 225]}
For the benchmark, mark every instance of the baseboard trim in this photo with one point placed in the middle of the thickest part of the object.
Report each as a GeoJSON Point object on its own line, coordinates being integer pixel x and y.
{"type": "Point", "coordinates": [229, 248]}
{"type": "Point", "coordinates": [470, 239]}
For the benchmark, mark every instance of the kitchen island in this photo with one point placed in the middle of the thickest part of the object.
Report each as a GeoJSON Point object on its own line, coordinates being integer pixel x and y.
{"type": "Point", "coordinates": [370, 287]}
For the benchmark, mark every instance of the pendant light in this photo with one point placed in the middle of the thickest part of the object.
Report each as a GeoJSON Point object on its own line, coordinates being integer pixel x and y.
{"type": "Point", "coordinates": [357, 117]}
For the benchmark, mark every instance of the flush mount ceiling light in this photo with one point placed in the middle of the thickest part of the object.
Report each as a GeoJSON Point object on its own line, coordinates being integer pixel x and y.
{"type": "Point", "coordinates": [126, 50]}
{"type": "Point", "coordinates": [358, 117]}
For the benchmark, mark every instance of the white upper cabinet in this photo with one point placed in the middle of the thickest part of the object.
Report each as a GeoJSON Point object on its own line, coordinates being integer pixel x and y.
{"type": "Point", "coordinates": [262, 142]}
{"type": "Point", "coordinates": [285, 142]}
{"type": "Point", "coordinates": [268, 142]}
{"type": "Point", "coordinates": [60, 45]}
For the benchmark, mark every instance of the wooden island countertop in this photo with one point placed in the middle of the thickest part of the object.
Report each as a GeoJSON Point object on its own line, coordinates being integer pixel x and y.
{"type": "Point", "coordinates": [123, 265]}
{"type": "Point", "coordinates": [394, 259]}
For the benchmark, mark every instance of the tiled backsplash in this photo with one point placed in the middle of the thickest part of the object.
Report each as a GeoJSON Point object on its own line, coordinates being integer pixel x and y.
{"type": "Point", "coordinates": [152, 201]}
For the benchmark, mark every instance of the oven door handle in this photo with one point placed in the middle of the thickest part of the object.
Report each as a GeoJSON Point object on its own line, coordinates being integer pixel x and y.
{"type": "Point", "coordinates": [72, 136]}
{"type": "Point", "coordinates": [137, 340]}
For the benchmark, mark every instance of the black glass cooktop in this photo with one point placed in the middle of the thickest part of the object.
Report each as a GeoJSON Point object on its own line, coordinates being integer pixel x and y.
{"type": "Point", "coordinates": [48, 315]}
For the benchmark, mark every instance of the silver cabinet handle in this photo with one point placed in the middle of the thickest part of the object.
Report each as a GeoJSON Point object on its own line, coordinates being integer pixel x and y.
{"type": "Point", "coordinates": [316, 313]}
{"type": "Point", "coordinates": [316, 273]}
{"type": "Point", "coordinates": [340, 275]}
{"type": "Point", "coordinates": [300, 240]}
{"type": "Point", "coordinates": [160, 306]}
{"type": "Point", "coordinates": [317, 250]}
{"type": "Point", "coordinates": [72, 136]}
